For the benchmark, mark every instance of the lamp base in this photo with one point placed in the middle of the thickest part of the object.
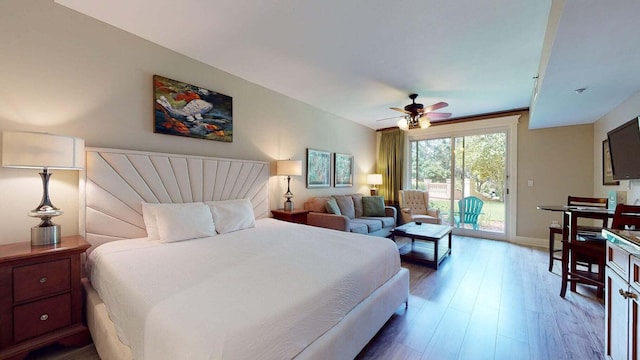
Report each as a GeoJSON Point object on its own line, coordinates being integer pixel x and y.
{"type": "Point", "coordinates": [374, 191]}
{"type": "Point", "coordinates": [288, 205]}
{"type": "Point", "coordinates": [45, 235]}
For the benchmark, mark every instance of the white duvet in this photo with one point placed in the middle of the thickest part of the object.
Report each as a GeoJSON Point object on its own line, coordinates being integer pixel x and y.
{"type": "Point", "coordinates": [260, 293]}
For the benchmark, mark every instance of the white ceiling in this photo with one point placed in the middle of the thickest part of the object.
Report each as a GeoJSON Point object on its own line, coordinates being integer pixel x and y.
{"type": "Point", "coordinates": [357, 58]}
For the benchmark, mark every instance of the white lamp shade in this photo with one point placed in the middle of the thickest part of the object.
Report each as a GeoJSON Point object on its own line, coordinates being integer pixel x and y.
{"type": "Point", "coordinates": [374, 179]}
{"type": "Point", "coordinates": [289, 167]}
{"type": "Point", "coordinates": [21, 149]}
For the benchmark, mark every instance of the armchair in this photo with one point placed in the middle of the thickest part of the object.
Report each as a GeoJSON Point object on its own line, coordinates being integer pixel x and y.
{"type": "Point", "coordinates": [414, 206]}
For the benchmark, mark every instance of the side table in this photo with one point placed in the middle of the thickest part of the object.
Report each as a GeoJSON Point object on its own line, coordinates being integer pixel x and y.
{"type": "Point", "coordinates": [296, 216]}
{"type": "Point", "coordinates": [41, 296]}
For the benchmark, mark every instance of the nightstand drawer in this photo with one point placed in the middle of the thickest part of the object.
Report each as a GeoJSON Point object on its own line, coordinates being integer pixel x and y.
{"type": "Point", "coordinates": [32, 281]}
{"type": "Point", "coordinates": [40, 317]}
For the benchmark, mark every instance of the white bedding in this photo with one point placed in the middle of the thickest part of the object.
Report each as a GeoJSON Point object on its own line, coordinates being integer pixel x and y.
{"type": "Point", "coordinates": [265, 292]}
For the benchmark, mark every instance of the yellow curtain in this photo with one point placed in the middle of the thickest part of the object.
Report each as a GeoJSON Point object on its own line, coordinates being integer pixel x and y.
{"type": "Point", "coordinates": [390, 163]}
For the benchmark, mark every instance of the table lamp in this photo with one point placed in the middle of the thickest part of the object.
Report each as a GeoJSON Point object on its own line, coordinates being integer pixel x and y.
{"type": "Point", "coordinates": [289, 168]}
{"type": "Point", "coordinates": [32, 150]}
{"type": "Point", "coordinates": [374, 180]}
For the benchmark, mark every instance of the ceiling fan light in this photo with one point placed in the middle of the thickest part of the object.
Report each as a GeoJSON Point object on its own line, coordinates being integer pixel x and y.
{"type": "Point", "coordinates": [424, 123]}
{"type": "Point", "coordinates": [403, 125]}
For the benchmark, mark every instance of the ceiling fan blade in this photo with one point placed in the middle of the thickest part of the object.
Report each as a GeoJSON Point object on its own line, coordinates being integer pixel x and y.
{"type": "Point", "coordinates": [391, 118]}
{"type": "Point", "coordinates": [400, 110]}
{"type": "Point", "coordinates": [435, 106]}
{"type": "Point", "coordinates": [437, 115]}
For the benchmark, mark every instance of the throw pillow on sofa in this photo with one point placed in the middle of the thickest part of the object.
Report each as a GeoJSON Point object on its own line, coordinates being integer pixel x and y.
{"type": "Point", "coordinates": [332, 207]}
{"type": "Point", "coordinates": [345, 203]}
{"type": "Point", "coordinates": [373, 205]}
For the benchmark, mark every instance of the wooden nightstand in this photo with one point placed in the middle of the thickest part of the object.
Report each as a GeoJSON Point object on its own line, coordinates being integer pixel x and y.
{"type": "Point", "coordinates": [41, 300]}
{"type": "Point", "coordinates": [296, 216]}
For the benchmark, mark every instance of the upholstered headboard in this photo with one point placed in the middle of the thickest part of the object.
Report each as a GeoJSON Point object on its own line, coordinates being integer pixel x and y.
{"type": "Point", "coordinates": [115, 182]}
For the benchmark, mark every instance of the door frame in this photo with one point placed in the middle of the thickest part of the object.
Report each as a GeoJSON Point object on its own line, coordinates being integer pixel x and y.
{"type": "Point", "coordinates": [508, 124]}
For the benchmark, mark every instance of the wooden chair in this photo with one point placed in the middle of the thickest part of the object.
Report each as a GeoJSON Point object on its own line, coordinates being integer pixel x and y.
{"type": "Point", "coordinates": [626, 216]}
{"type": "Point", "coordinates": [586, 249]}
{"type": "Point", "coordinates": [554, 230]}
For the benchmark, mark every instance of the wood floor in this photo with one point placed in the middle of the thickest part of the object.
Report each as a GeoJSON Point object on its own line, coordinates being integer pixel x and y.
{"type": "Point", "coordinates": [488, 300]}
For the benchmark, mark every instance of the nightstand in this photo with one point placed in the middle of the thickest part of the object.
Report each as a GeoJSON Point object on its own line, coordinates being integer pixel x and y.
{"type": "Point", "coordinates": [295, 216]}
{"type": "Point", "coordinates": [41, 300]}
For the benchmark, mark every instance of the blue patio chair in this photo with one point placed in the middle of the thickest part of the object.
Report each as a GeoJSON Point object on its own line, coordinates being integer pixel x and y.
{"type": "Point", "coordinates": [470, 208]}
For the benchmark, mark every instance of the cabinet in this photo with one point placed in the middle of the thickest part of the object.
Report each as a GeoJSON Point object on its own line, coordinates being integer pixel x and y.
{"type": "Point", "coordinates": [296, 216]}
{"type": "Point", "coordinates": [622, 310]}
{"type": "Point", "coordinates": [41, 296]}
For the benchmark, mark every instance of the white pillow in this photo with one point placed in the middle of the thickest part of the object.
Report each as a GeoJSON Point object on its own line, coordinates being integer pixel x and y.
{"type": "Point", "coordinates": [232, 215]}
{"type": "Point", "coordinates": [149, 216]}
{"type": "Point", "coordinates": [191, 221]}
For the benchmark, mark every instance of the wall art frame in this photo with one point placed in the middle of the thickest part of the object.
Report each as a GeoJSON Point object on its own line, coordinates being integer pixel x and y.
{"type": "Point", "coordinates": [187, 110]}
{"type": "Point", "coordinates": [607, 169]}
{"type": "Point", "coordinates": [343, 166]}
{"type": "Point", "coordinates": [318, 169]}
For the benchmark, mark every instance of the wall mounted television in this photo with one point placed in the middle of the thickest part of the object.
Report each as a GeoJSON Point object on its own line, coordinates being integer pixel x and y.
{"type": "Point", "coordinates": [624, 145]}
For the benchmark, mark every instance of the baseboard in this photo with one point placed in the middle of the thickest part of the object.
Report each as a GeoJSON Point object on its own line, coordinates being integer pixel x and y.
{"type": "Point", "coordinates": [530, 241]}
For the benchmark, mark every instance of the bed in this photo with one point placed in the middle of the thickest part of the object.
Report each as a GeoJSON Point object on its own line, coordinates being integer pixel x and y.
{"type": "Point", "coordinates": [254, 288]}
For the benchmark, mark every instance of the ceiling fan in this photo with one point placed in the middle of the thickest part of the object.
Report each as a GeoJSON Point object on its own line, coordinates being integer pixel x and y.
{"type": "Point", "coordinates": [418, 116]}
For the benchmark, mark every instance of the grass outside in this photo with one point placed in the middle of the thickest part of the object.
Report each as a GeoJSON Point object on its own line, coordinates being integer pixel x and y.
{"type": "Point", "coordinates": [493, 212]}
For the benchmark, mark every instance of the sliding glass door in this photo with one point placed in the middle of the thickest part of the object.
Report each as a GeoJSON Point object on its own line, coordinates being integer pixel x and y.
{"type": "Point", "coordinates": [466, 178]}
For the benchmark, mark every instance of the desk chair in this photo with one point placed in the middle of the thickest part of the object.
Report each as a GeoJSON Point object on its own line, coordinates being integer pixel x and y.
{"type": "Point", "coordinates": [554, 230]}
{"type": "Point", "coordinates": [586, 249]}
{"type": "Point", "coordinates": [626, 216]}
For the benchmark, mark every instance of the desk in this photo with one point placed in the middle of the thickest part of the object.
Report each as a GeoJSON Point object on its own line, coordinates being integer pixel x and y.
{"type": "Point", "coordinates": [573, 213]}
{"type": "Point", "coordinates": [570, 229]}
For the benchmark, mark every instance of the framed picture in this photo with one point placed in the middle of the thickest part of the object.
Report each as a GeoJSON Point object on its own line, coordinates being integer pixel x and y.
{"type": "Point", "coordinates": [607, 170]}
{"type": "Point", "coordinates": [343, 170]}
{"type": "Point", "coordinates": [187, 110]}
{"type": "Point", "coordinates": [318, 169]}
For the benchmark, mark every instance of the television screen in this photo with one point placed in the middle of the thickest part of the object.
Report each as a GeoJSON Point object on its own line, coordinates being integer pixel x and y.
{"type": "Point", "coordinates": [624, 145]}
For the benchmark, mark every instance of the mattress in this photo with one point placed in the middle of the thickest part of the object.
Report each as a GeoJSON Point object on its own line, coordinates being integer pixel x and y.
{"type": "Point", "coordinates": [266, 292]}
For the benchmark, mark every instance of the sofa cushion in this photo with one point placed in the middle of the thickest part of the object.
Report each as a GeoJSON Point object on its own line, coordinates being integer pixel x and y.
{"type": "Point", "coordinates": [359, 228]}
{"type": "Point", "coordinates": [317, 204]}
{"type": "Point", "coordinates": [332, 207]}
{"type": "Point", "coordinates": [373, 205]}
{"type": "Point", "coordinates": [345, 203]}
{"type": "Point", "coordinates": [386, 221]}
{"type": "Point", "coordinates": [372, 224]}
{"type": "Point", "coordinates": [357, 204]}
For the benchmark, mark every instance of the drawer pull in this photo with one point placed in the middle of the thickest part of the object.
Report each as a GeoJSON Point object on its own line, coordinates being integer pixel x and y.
{"type": "Point", "coordinates": [44, 317]}
{"type": "Point", "coordinates": [628, 294]}
{"type": "Point", "coordinates": [43, 280]}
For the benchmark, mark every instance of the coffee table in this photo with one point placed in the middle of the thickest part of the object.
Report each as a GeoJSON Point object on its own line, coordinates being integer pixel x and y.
{"type": "Point", "coordinates": [430, 243]}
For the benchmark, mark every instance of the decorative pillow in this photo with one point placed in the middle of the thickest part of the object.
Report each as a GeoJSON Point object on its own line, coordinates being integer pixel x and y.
{"type": "Point", "coordinates": [357, 205]}
{"type": "Point", "coordinates": [332, 207]}
{"type": "Point", "coordinates": [183, 223]}
{"type": "Point", "coordinates": [149, 217]}
{"type": "Point", "coordinates": [232, 215]}
{"type": "Point", "coordinates": [345, 203]}
{"type": "Point", "coordinates": [373, 205]}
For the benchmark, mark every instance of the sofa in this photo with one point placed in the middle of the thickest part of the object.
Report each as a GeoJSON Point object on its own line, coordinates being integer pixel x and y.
{"type": "Point", "coordinates": [353, 214]}
{"type": "Point", "coordinates": [414, 206]}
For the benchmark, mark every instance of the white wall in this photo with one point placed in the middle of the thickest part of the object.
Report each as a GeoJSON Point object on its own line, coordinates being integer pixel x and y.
{"type": "Point", "coordinates": [66, 73]}
{"type": "Point", "coordinates": [624, 112]}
